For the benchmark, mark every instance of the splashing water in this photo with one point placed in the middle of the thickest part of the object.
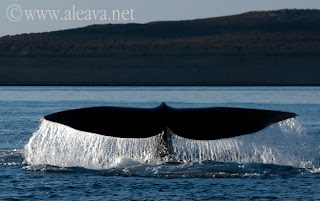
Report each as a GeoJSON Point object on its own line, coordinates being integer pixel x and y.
{"type": "Point", "coordinates": [283, 143]}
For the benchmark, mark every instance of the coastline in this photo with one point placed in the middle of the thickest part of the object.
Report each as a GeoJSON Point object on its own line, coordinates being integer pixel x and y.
{"type": "Point", "coordinates": [162, 70]}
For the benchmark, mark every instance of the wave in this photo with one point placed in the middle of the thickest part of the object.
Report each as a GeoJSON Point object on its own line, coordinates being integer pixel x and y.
{"type": "Point", "coordinates": [205, 169]}
{"type": "Point", "coordinates": [12, 157]}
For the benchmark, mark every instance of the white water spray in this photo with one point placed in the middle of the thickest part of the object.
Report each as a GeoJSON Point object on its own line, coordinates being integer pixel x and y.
{"type": "Point", "coordinates": [283, 143]}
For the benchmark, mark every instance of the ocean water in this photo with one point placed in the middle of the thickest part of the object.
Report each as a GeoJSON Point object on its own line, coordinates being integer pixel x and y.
{"type": "Point", "coordinates": [40, 160]}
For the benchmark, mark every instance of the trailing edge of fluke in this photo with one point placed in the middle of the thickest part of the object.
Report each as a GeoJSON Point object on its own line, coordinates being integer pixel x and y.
{"type": "Point", "coordinates": [193, 123]}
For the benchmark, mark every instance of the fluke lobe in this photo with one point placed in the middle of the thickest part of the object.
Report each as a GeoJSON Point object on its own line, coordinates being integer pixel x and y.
{"type": "Point", "coordinates": [192, 123]}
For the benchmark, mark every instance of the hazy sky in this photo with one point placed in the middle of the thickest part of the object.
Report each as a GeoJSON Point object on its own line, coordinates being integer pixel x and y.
{"type": "Point", "coordinates": [144, 11]}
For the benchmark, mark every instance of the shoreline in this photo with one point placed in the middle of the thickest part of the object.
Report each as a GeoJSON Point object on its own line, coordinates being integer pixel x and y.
{"type": "Point", "coordinates": [162, 70]}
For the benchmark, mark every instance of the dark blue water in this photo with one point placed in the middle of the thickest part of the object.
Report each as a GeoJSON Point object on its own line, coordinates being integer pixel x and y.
{"type": "Point", "coordinates": [21, 110]}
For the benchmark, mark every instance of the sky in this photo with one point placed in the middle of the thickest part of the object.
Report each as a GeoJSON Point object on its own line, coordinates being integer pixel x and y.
{"type": "Point", "coordinates": [80, 13]}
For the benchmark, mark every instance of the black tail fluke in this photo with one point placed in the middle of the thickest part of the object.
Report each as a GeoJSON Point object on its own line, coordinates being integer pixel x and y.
{"type": "Point", "coordinates": [193, 123]}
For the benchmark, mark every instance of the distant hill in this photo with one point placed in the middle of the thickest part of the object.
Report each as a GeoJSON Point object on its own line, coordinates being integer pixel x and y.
{"type": "Point", "coordinates": [275, 32]}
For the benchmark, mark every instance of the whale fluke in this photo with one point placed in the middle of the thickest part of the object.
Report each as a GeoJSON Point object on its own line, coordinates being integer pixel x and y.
{"type": "Point", "coordinates": [193, 123]}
